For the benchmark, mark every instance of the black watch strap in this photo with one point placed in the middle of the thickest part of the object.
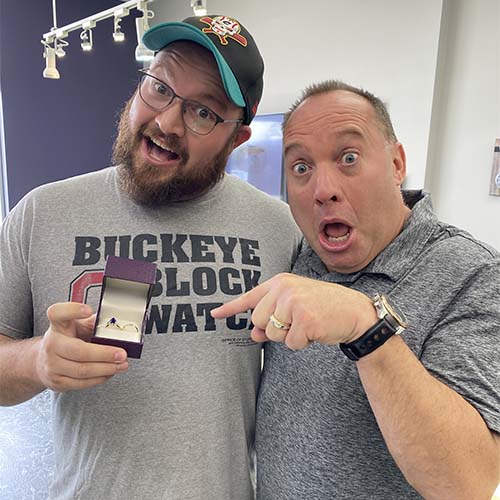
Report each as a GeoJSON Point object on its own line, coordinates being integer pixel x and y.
{"type": "Point", "coordinates": [376, 336]}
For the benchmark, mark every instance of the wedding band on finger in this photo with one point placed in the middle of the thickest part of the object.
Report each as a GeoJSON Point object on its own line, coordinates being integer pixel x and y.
{"type": "Point", "coordinates": [278, 324]}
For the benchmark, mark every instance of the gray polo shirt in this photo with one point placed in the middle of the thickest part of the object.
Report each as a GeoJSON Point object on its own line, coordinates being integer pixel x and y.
{"type": "Point", "coordinates": [317, 437]}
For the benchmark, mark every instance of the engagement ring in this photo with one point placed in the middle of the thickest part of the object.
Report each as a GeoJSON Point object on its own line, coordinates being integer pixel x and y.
{"type": "Point", "coordinates": [113, 323]}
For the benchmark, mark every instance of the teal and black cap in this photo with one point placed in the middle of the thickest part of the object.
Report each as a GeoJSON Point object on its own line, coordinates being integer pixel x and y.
{"type": "Point", "coordinates": [240, 63]}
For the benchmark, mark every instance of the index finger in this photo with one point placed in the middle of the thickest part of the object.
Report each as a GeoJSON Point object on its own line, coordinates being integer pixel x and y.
{"type": "Point", "coordinates": [243, 303]}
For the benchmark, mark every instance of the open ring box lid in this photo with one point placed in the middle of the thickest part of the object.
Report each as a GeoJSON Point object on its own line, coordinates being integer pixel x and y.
{"type": "Point", "coordinates": [127, 286]}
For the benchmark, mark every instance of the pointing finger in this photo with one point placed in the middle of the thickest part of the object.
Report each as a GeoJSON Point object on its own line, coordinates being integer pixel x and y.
{"type": "Point", "coordinates": [243, 303]}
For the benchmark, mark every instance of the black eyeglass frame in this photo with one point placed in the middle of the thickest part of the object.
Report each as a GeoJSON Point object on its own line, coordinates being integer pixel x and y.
{"type": "Point", "coordinates": [218, 118]}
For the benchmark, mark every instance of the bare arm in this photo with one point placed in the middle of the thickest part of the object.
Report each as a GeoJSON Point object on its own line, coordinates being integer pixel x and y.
{"type": "Point", "coordinates": [439, 441]}
{"type": "Point", "coordinates": [18, 380]}
{"type": "Point", "coordinates": [61, 360]}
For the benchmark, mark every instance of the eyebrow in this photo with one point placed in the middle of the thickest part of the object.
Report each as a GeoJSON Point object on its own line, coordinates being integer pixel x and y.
{"type": "Point", "coordinates": [214, 99]}
{"type": "Point", "coordinates": [211, 97]}
{"type": "Point", "coordinates": [291, 147]}
{"type": "Point", "coordinates": [345, 132]}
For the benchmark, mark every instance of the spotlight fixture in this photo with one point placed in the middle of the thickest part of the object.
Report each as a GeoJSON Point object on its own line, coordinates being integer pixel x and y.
{"type": "Point", "coordinates": [199, 7]}
{"type": "Point", "coordinates": [53, 39]}
{"type": "Point", "coordinates": [142, 53]}
{"type": "Point", "coordinates": [118, 35]}
{"type": "Point", "coordinates": [86, 38]}
{"type": "Point", "coordinates": [59, 45]}
{"type": "Point", "coordinates": [50, 70]}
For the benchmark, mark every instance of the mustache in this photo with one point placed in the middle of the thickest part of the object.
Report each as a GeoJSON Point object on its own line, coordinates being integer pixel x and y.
{"type": "Point", "coordinates": [170, 141]}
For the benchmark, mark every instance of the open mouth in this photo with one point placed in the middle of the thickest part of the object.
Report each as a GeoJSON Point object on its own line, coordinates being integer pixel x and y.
{"type": "Point", "coordinates": [337, 232]}
{"type": "Point", "coordinates": [159, 152]}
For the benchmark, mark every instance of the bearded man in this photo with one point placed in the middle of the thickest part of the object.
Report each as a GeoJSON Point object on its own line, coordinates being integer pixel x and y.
{"type": "Point", "coordinates": [180, 422]}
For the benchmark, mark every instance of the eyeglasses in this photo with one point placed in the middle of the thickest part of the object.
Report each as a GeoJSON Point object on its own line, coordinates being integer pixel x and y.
{"type": "Point", "coordinates": [197, 117]}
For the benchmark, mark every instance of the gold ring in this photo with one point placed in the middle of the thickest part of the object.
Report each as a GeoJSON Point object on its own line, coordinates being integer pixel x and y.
{"type": "Point", "coordinates": [278, 324]}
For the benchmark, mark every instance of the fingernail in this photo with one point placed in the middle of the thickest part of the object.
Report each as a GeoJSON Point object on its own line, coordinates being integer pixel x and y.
{"type": "Point", "coordinates": [120, 356]}
{"type": "Point", "coordinates": [86, 309]}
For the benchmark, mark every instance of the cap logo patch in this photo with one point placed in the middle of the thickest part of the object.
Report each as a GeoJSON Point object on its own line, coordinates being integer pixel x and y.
{"type": "Point", "coordinates": [224, 27]}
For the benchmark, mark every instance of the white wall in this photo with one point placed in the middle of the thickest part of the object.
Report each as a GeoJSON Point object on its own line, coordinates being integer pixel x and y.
{"type": "Point", "coordinates": [466, 118]}
{"type": "Point", "coordinates": [387, 46]}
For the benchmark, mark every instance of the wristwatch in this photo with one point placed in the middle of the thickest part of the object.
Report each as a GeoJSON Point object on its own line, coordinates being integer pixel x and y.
{"type": "Point", "coordinates": [391, 322]}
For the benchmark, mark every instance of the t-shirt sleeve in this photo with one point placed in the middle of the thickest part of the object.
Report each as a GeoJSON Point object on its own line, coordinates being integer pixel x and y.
{"type": "Point", "coordinates": [463, 349]}
{"type": "Point", "coordinates": [16, 306]}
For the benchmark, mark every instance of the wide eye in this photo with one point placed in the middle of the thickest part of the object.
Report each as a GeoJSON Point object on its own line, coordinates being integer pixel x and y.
{"type": "Point", "coordinates": [201, 112]}
{"type": "Point", "coordinates": [300, 168]}
{"type": "Point", "coordinates": [160, 88]}
{"type": "Point", "coordinates": [349, 158]}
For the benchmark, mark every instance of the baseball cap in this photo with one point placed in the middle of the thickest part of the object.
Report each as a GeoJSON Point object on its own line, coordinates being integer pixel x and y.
{"type": "Point", "coordinates": [240, 64]}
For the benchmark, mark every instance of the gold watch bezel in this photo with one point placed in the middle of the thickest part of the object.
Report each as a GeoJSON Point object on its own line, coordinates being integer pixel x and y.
{"type": "Point", "coordinates": [385, 307]}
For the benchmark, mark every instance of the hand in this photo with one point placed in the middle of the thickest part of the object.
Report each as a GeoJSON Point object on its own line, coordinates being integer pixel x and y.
{"type": "Point", "coordinates": [316, 311]}
{"type": "Point", "coordinates": [66, 360]}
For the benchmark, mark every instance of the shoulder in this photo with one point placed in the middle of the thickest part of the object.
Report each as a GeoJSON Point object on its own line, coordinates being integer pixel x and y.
{"type": "Point", "coordinates": [457, 248]}
{"type": "Point", "coordinates": [66, 196]}
{"type": "Point", "coordinates": [88, 181]}
{"type": "Point", "coordinates": [235, 184]}
{"type": "Point", "coordinates": [453, 262]}
{"type": "Point", "coordinates": [246, 194]}
{"type": "Point", "coordinates": [68, 192]}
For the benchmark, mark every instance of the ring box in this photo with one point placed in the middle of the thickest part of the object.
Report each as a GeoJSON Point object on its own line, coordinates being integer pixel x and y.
{"type": "Point", "coordinates": [127, 286]}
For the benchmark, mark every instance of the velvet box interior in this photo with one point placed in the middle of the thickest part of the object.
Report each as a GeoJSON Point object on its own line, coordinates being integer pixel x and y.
{"type": "Point", "coordinates": [127, 286]}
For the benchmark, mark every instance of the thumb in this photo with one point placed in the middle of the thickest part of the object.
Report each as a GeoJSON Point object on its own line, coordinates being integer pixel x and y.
{"type": "Point", "coordinates": [85, 328]}
{"type": "Point", "coordinates": [63, 316]}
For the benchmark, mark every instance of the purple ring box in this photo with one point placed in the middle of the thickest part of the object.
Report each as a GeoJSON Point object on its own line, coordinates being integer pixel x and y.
{"type": "Point", "coordinates": [127, 287]}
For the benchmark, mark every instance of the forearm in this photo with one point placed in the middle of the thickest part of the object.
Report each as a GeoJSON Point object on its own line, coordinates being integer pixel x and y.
{"type": "Point", "coordinates": [439, 441]}
{"type": "Point", "coordinates": [18, 379]}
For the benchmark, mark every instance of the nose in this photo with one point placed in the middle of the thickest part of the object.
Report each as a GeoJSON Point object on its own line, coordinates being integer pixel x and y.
{"type": "Point", "coordinates": [327, 185]}
{"type": "Point", "coordinates": [170, 120]}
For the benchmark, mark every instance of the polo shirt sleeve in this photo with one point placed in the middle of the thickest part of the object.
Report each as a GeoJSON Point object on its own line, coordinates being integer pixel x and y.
{"type": "Point", "coordinates": [463, 348]}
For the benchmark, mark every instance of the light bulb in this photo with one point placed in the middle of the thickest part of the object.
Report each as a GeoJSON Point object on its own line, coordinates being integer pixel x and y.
{"type": "Point", "coordinates": [118, 36]}
{"type": "Point", "coordinates": [143, 54]}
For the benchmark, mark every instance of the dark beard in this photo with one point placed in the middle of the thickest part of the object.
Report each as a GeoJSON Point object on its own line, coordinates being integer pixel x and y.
{"type": "Point", "coordinates": [140, 181]}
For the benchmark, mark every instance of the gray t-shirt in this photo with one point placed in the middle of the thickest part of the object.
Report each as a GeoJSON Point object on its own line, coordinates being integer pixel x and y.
{"type": "Point", "coordinates": [179, 425]}
{"type": "Point", "coordinates": [317, 438]}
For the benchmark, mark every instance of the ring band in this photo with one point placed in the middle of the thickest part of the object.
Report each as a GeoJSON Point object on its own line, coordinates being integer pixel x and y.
{"type": "Point", "coordinates": [278, 324]}
{"type": "Point", "coordinates": [113, 323]}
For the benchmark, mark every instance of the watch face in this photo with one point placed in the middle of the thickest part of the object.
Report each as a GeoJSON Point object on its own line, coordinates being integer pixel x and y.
{"type": "Point", "coordinates": [393, 310]}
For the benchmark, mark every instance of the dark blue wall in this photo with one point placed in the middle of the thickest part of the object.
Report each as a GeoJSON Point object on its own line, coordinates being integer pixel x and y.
{"type": "Point", "coordinates": [59, 128]}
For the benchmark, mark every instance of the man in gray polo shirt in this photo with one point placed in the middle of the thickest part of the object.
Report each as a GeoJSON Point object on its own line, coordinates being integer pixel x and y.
{"type": "Point", "coordinates": [382, 380]}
